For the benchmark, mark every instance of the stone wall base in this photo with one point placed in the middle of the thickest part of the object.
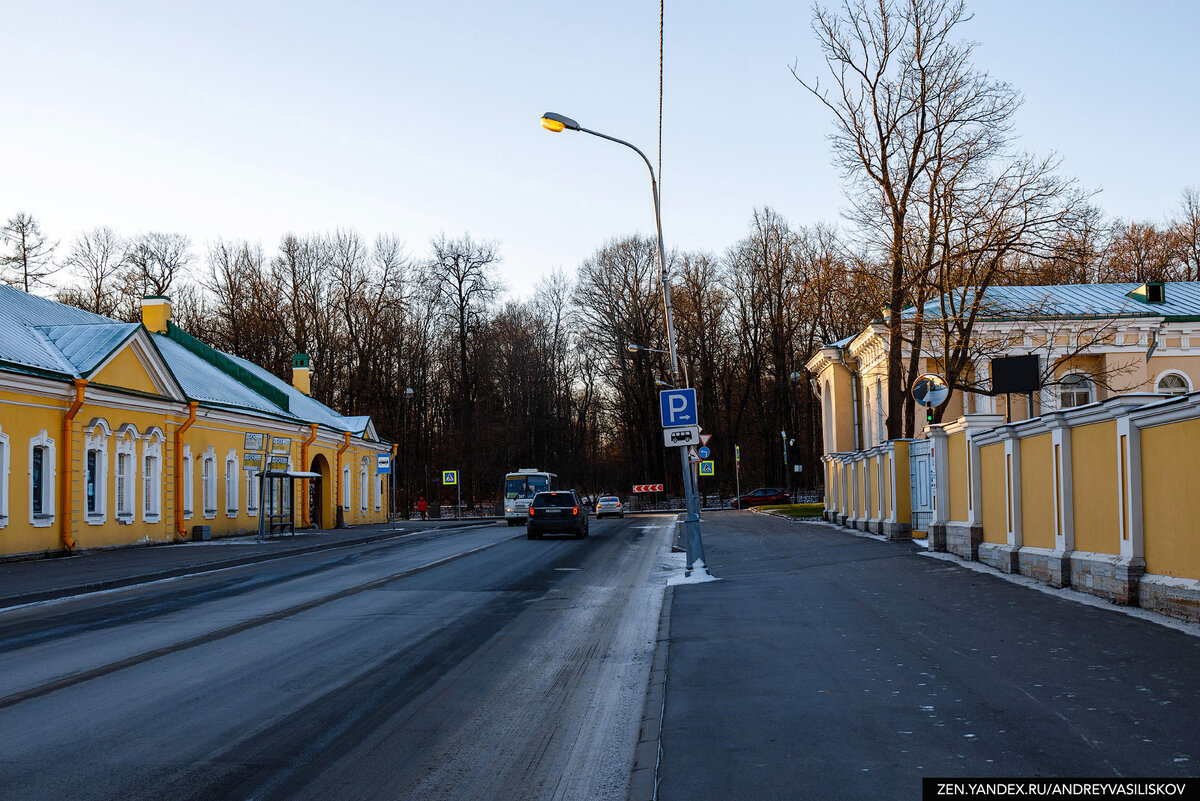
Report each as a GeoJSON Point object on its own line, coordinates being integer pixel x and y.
{"type": "Point", "coordinates": [875, 526]}
{"type": "Point", "coordinates": [1107, 576]}
{"type": "Point", "coordinates": [1043, 564]}
{"type": "Point", "coordinates": [936, 536]}
{"type": "Point", "coordinates": [963, 539]}
{"type": "Point", "coordinates": [842, 517]}
{"type": "Point", "coordinates": [1003, 557]}
{"type": "Point", "coordinates": [1172, 596]}
{"type": "Point", "coordinates": [896, 531]}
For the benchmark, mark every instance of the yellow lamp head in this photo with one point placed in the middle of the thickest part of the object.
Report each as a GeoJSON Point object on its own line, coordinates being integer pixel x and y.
{"type": "Point", "coordinates": [557, 122]}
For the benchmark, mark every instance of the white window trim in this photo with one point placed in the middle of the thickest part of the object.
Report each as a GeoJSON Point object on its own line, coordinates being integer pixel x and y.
{"type": "Point", "coordinates": [1187, 381]}
{"type": "Point", "coordinates": [231, 484]}
{"type": "Point", "coordinates": [5, 462]}
{"type": "Point", "coordinates": [96, 436]}
{"type": "Point", "coordinates": [46, 518]}
{"type": "Point", "coordinates": [364, 491]}
{"type": "Point", "coordinates": [152, 465]}
{"type": "Point", "coordinates": [126, 446]}
{"type": "Point", "coordinates": [189, 496]}
{"type": "Point", "coordinates": [1063, 389]}
{"type": "Point", "coordinates": [208, 489]}
{"type": "Point", "coordinates": [346, 488]}
{"type": "Point", "coordinates": [251, 491]}
{"type": "Point", "coordinates": [378, 492]}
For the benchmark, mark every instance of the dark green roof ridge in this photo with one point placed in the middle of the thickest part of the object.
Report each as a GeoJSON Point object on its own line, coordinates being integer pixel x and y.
{"type": "Point", "coordinates": [228, 366]}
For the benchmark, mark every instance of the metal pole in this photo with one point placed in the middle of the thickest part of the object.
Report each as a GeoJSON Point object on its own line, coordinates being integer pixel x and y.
{"type": "Point", "coordinates": [695, 543]}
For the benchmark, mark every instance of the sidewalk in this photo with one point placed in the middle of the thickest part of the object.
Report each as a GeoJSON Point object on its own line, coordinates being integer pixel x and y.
{"type": "Point", "coordinates": [824, 665]}
{"type": "Point", "coordinates": [30, 581]}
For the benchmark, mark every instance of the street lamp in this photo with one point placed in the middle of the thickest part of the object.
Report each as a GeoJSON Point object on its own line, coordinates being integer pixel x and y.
{"type": "Point", "coordinates": [635, 348]}
{"type": "Point", "coordinates": [658, 382]}
{"type": "Point", "coordinates": [695, 544]}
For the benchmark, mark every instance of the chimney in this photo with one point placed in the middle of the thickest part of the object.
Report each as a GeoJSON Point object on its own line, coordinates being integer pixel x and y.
{"type": "Point", "coordinates": [156, 313]}
{"type": "Point", "coordinates": [301, 379]}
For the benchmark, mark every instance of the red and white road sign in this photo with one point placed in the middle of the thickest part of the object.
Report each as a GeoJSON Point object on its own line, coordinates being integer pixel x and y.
{"type": "Point", "coordinates": [692, 455]}
{"type": "Point", "coordinates": [647, 487]}
{"type": "Point", "coordinates": [704, 438]}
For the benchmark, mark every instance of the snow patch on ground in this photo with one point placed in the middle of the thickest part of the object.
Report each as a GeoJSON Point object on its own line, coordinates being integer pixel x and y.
{"type": "Point", "coordinates": [673, 567]}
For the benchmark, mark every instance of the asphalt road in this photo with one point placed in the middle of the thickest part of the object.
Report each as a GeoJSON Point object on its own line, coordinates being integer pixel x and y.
{"type": "Point", "coordinates": [829, 666]}
{"type": "Point", "coordinates": [466, 665]}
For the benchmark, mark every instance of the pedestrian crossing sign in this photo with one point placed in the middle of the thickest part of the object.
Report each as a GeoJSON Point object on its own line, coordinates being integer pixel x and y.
{"type": "Point", "coordinates": [449, 476]}
{"type": "Point", "coordinates": [706, 468]}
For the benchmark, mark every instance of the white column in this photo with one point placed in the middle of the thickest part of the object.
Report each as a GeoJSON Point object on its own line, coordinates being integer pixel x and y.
{"type": "Point", "coordinates": [1012, 488]}
{"type": "Point", "coordinates": [1129, 497]}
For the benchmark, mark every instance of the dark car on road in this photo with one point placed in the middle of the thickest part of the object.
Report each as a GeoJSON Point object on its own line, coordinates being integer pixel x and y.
{"type": "Point", "coordinates": [761, 497]}
{"type": "Point", "coordinates": [560, 512]}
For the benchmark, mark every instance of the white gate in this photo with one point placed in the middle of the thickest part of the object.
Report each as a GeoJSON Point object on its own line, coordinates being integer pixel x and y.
{"type": "Point", "coordinates": [923, 479]}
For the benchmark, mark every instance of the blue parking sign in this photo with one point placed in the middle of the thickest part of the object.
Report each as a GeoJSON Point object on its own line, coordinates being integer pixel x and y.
{"type": "Point", "coordinates": [678, 407]}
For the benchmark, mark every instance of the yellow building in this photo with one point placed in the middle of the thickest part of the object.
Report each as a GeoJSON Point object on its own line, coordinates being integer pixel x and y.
{"type": "Point", "coordinates": [116, 434]}
{"type": "Point", "coordinates": [1094, 341]}
{"type": "Point", "coordinates": [1096, 490]}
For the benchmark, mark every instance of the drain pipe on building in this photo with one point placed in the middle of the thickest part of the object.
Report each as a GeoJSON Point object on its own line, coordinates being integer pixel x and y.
{"type": "Point", "coordinates": [341, 520]}
{"type": "Point", "coordinates": [304, 502]}
{"type": "Point", "coordinates": [179, 530]}
{"type": "Point", "coordinates": [64, 472]}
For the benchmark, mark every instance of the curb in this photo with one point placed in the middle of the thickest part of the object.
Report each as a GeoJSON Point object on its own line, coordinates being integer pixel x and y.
{"type": "Point", "coordinates": [58, 593]}
{"type": "Point", "coordinates": [643, 784]}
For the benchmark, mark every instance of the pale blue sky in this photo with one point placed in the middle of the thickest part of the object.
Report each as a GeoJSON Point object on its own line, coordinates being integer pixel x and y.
{"type": "Point", "coordinates": [252, 119]}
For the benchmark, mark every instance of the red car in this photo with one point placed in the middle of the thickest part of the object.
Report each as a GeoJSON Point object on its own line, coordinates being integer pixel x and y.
{"type": "Point", "coordinates": [761, 497]}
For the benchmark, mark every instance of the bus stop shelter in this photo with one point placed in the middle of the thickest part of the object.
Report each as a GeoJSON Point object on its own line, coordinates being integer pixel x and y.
{"type": "Point", "coordinates": [277, 501]}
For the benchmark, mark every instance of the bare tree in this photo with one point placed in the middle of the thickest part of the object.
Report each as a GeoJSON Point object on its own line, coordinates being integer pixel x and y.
{"type": "Point", "coordinates": [907, 104]}
{"type": "Point", "coordinates": [29, 261]}
{"type": "Point", "coordinates": [1187, 234]}
{"type": "Point", "coordinates": [463, 284]}
{"type": "Point", "coordinates": [152, 264]}
{"type": "Point", "coordinates": [96, 257]}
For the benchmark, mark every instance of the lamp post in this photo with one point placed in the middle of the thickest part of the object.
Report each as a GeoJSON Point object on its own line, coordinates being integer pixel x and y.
{"type": "Point", "coordinates": [408, 393]}
{"type": "Point", "coordinates": [557, 123]}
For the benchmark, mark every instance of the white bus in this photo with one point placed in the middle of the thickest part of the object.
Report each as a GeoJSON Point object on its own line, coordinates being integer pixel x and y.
{"type": "Point", "coordinates": [519, 489]}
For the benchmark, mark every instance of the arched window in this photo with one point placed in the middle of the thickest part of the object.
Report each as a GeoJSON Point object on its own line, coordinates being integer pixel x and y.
{"type": "Point", "coordinates": [879, 418]}
{"type": "Point", "coordinates": [208, 483]}
{"type": "Point", "coordinates": [231, 483]}
{"type": "Point", "coordinates": [41, 480]}
{"type": "Point", "coordinates": [152, 476]}
{"type": "Point", "coordinates": [188, 494]}
{"type": "Point", "coordinates": [827, 413]}
{"type": "Point", "coordinates": [346, 487]}
{"type": "Point", "coordinates": [95, 471]}
{"type": "Point", "coordinates": [1172, 384]}
{"type": "Point", "coordinates": [870, 440]}
{"type": "Point", "coordinates": [1076, 389]}
{"type": "Point", "coordinates": [4, 468]}
{"type": "Point", "coordinates": [127, 437]}
{"type": "Point", "coordinates": [364, 492]}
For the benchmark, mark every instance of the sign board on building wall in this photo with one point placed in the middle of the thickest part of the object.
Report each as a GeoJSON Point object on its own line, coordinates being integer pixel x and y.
{"type": "Point", "coordinates": [252, 460]}
{"type": "Point", "coordinates": [281, 444]}
{"type": "Point", "coordinates": [254, 442]}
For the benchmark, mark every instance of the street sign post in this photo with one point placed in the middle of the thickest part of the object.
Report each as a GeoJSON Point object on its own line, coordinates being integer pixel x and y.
{"type": "Point", "coordinates": [681, 436]}
{"type": "Point", "coordinates": [647, 487]}
{"type": "Point", "coordinates": [704, 452]}
{"type": "Point", "coordinates": [737, 468]}
{"type": "Point", "coordinates": [451, 477]}
{"type": "Point", "coordinates": [706, 468]}
{"type": "Point", "coordinates": [677, 407]}
{"type": "Point", "coordinates": [383, 464]}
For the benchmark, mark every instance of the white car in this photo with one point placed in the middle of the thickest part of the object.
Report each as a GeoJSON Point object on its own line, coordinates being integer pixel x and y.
{"type": "Point", "coordinates": [609, 505]}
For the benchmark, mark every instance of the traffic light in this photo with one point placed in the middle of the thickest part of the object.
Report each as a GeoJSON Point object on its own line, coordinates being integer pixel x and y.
{"type": "Point", "coordinates": [929, 415]}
